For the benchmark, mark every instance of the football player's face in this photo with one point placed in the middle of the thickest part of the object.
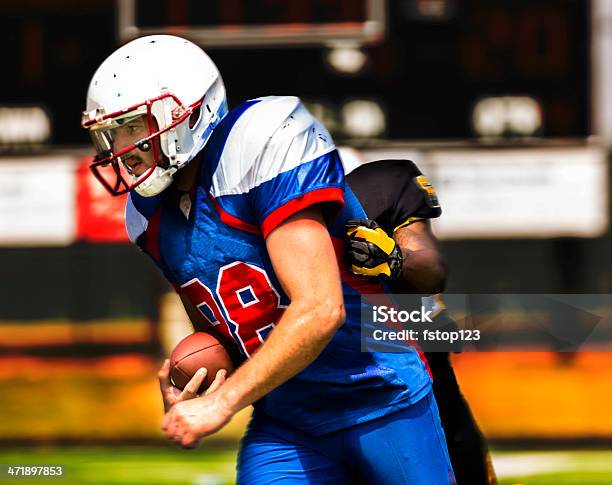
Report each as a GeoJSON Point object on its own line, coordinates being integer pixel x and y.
{"type": "Point", "coordinates": [136, 161]}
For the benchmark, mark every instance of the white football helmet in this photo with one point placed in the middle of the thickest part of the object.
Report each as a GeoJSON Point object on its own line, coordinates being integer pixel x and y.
{"type": "Point", "coordinates": [161, 79]}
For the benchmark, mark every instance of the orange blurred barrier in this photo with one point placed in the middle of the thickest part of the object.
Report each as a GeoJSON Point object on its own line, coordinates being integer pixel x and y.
{"type": "Point", "coordinates": [538, 394]}
{"type": "Point", "coordinates": [513, 396]}
{"type": "Point", "coordinates": [108, 398]}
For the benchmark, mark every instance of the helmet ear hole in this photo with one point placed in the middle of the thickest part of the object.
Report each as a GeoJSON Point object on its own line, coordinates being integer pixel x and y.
{"type": "Point", "coordinates": [194, 117]}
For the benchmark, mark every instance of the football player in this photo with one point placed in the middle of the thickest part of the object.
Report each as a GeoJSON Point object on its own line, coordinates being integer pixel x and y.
{"type": "Point", "coordinates": [244, 213]}
{"type": "Point", "coordinates": [399, 201]}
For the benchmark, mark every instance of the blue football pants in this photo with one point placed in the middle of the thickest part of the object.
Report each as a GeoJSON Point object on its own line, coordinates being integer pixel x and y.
{"type": "Point", "coordinates": [405, 447]}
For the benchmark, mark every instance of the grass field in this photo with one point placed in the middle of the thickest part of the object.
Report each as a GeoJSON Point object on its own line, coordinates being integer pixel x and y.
{"type": "Point", "coordinates": [130, 465]}
{"type": "Point", "coordinates": [166, 465]}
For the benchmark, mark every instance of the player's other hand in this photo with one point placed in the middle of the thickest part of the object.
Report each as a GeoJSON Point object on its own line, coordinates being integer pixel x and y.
{"type": "Point", "coordinates": [370, 251]}
{"type": "Point", "coordinates": [172, 395]}
{"type": "Point", "coordinates": [187, 422]}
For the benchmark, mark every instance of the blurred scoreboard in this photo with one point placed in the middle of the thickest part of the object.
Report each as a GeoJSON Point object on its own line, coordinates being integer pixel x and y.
{"type": "Point", "coordinates": [427, 61]}
{"type": "Point", "coordinates": [242, 23]}
{"type": "Point", "coordinates": [546, 190]}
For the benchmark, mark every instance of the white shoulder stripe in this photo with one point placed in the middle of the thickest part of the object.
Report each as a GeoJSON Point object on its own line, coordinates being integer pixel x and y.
{"type": "Point", "coordinates": [135, 223]}
{"type": "Point", "coordinates": [274, 136]}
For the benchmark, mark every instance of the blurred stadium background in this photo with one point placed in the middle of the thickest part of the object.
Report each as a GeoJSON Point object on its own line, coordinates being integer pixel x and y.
{"type": "Point", "coordinates": [505, 104]}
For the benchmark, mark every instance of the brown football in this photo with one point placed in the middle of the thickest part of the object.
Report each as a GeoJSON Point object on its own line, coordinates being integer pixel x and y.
{"type": "Point", "coordinates": [198, 350]}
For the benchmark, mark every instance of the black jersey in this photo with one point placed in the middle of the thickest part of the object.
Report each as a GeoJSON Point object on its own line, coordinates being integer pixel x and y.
{"type": "Point", "coordinates": [394, 193]}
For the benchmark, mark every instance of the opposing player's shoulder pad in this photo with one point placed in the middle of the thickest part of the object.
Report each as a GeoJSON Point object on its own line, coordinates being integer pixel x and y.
{"type": "Point", "coordinates": [276, 134]}
{"type": "Point", "coordinates": [394, 192]}
{"type": "Point", "coordinates": [388, 169]}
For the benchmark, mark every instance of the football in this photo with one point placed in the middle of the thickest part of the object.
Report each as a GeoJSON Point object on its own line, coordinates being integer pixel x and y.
{"type": "Point", "coordinates": [198, 350]}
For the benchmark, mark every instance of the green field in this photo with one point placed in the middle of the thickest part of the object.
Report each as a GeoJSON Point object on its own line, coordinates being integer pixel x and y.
{"type": "Point", "coordinates": [554, 468]}
{"type": "Point", "coordinates": [130, 465]}
{"type": "Point", "coordinates": [168, 465]}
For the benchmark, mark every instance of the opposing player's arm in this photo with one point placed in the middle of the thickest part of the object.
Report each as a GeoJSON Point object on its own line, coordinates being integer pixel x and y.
{"type": "Point", "coordinates": [395, 243]}
{"type": "Point", "coordinates": [423, 268]}
{"type": "Point", "coordinates": [410, 261]}
{"type": "Point", "coordinates": [304, 261]}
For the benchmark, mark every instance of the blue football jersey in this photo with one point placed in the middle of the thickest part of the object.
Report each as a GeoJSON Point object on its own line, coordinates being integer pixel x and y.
{"type": "Point", "coordinates": [268, 159]}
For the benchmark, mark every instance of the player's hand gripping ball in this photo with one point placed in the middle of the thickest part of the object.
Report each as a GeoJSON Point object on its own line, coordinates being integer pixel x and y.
{"type": "Point", "coordinates": [370, 251]}
{"type": "Point", "coordinates": [195, 351]}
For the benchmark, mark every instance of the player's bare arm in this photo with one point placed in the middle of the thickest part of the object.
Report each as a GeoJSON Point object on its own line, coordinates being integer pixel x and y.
{"type": "Point", "coordinates": [305, 263]}
{"type": "Point", "coordinates": [423, 268]}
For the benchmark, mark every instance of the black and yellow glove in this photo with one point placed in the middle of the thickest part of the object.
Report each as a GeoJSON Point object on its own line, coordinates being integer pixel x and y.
{"type": "Point", "coordinates": [370, 251]}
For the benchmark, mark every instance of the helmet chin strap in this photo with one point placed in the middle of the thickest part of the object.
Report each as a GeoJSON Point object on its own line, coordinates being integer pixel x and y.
{"type": "Point", "coordinates": [156, 182]}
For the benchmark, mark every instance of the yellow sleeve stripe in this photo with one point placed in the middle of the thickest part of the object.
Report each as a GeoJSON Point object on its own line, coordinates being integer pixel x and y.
{"type": "Point", "coordinates": [376, 236]}
{"type": "Point", "coordinates": [375, 271]}
{"type": "Point", "coordinates": [408, 221]}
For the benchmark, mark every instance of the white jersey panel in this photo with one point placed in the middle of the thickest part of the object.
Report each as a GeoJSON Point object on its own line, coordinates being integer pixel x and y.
{"type": "Point", "coordinates": [274, 136]}
{"type": "Point", "coordinates": [135, 223]}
